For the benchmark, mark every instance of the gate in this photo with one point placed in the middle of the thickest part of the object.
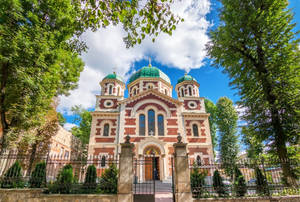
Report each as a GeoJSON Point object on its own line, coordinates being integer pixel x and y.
{"type": "Point", "coordinates": [144, 180]}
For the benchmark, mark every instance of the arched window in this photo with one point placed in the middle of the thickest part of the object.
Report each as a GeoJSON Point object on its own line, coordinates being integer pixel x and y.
{"type": "Point", "coordinates": [198, 161]}
{"type": "Point", "coordinates": [166, 92]}
{"type": "Point", "coordinates": [151, 122]}
{"type": "Point", "coordinates": [103, 161]}
{"type": "Point", "coordinates": [142, 126]}
{"type": "Point", "coordinates": [160, 124]}
{"type": "Point", "coordinates": [118, 91]}
{"type": "Point", "coordinates": [190, 91]}
{"type": "Point", "coordinates": [182, 92]}
{"type": "Point", "coordinates": [134, 91]}
{"type": "Point", "coordinates": [110, 90]}
{"type": "Point", "coordinates": [195, 130]}
{"type": "Point", "coordinates": [106, 129]}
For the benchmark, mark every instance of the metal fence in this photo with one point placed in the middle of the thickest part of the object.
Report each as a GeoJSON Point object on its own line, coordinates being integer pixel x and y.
{"type": "Point", "coordinates": [106, 166]}
{"type": "Point", "coordinates": [270, 182]}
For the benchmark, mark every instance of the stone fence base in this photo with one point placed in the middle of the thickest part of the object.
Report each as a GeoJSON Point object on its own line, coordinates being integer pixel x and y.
{"type": "Point", "coordinates": [36, 195]}
{"type": "Point", "coordinates": [253, 199]}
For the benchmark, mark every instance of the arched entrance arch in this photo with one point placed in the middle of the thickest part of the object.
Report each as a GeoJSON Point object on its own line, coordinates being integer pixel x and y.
{"type": "Point", "coordinates": [152, 155]}
{"type": "Point", "coordinates": [152, 150]}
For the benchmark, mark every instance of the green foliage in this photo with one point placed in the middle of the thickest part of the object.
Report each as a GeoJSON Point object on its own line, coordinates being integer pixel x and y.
{"type": "Point", "coordinates": [227, 124]}
{"type": "Point", "coordinates": [261, 183]}
{"type": "Point", "coordinates": [38, 176]}
{"type": "Point", "coordinates": [240, 186]}
{"type": "Point", "coordinates": [40, 48]}
{"type": "Point", "coordinates": [253, 142]}
{"type": "Point", "coordinates": [258, 49]}
{"type": "Point", "coordinates": [198, 181]}
{"type": "Point", "coordinates": [13, 177]}
{"type": "Point", "coordinates": [211, 108]}
{"type": "Point", "coordinates": [109, 180]}
{"type": "Point", "coordinates": [61, 119]}
{"type": "Point", "coordinates": [90, 184]}
{"type": "Point", "coordinates": [84, 119]}
{"type": "Point", "coordinates": [64, 181]}
{"type": "Point", "coordinates": [218, 184]}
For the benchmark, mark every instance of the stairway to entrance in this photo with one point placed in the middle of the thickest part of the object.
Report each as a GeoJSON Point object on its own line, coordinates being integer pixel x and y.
{"type": "Point", "coordinates": [163, 192]}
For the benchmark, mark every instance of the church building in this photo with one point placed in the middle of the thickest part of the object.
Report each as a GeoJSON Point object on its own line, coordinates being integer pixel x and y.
{"type": "Point", "coordinates": [152, 118]}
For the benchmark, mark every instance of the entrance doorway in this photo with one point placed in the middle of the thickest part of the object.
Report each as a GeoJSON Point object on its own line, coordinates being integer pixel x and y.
{"type": "Point", "coordinates": [152, 171]}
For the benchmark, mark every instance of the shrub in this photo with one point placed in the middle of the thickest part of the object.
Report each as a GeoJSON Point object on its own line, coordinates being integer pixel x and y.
{"type": "Point", "coordinates": [13, 177]}
{"type": "Point", "coordinates": [109, 180]}
{"type": "Point", "coordinates": [197, 182]}
{"type": "Point", "coordinates": [64, 181]}
{"type": "Point", "coordinates": [38, 176]}
{"type": "Point", "coordinates": [261, 183]}
{"type": "Point", "coordinates": [218, 184]}
{"type": "Point", "coordinates": [90, 179]}
{"type": "Point", "coordinates": [239, 183]}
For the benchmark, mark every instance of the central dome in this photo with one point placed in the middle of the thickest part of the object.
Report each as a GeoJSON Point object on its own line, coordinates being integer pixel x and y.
{"type": "Point", "coordinates": [149, 72]}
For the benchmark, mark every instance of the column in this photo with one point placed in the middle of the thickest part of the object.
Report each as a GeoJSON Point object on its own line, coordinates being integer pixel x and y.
{"type": "Point", "coordinates": [125, 179]}
{"type": "Point", "coordinates": [182, 172]}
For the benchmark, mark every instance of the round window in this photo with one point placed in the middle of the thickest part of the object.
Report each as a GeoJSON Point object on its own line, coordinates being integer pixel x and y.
{"type": "Point", "coordinates": [192, 104]}
{"type": "Point", "coordinates": [108, 103]}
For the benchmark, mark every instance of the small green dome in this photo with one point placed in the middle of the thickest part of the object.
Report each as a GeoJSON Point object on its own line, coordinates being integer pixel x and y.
{"type": "Point", "coordinates": [114, 76]}
{"type": "Point", "coordinates": [186, 78]}
{"type": "Point", "coordinates": [149, 72]}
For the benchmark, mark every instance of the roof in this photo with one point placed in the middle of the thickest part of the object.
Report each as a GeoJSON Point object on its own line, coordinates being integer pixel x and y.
{"type": "Point", "coordinates": [149, 72]}
{"type": "Point", "coordinates": [114, 76]}
{"type": "Point", "coordinates": [186, 77]}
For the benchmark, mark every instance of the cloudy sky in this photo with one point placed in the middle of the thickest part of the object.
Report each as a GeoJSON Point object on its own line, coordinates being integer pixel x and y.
{"type": "Point", "coordinates": [184, 51]}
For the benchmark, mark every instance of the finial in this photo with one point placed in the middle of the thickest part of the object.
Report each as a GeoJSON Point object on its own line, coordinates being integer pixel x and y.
{"type": "Point", "coordinates": [114, 70]}
{"type": "Point", "coordinates": [185, 73]}
{"type": "Point", "coordinates": [127, 139]}
{"type": "Point", "coordinates": [150, 62]}
{"type": "Point", "coordinates": [179, 138]}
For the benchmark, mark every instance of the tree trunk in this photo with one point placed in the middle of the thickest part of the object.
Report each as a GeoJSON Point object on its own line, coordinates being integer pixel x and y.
{"type": "Point", "coordinates": [280, 137]}
{"type": "Point", "coordinates": [32, 158]}
{"type": "Point", "coordinates": [5, 127]}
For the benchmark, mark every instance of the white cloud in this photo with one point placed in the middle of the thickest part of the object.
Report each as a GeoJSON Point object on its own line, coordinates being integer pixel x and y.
{"type": "Point", "coordinates": [185, 49]}
{"type": "Point", "coordinates": [85, 94]}
{"type": "Point", "coordinates": [68, 126]}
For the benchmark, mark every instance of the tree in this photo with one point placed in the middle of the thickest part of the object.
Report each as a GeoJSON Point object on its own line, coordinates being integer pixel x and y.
{"type": "Point", "coordinates": [252, 141]}
{"type": "Point", "coordinates": [227, 124]}
{"type": "Point", "coordinates": [84, 119]}
{"type": "Point", "coordinates": [211, 108]}
{"type": "Point", "coordinates": [256, 46]}
{"type": "Point", "coordinates": [197, 181]}
{"type": "Point", "coordinates": [240, 186]}
{"type": "Point", "coordinates": [61, 119]}
{"type": "Point", "coordinates": [218, 184]}
{"type": "Point", "coordinates": [40, 48]}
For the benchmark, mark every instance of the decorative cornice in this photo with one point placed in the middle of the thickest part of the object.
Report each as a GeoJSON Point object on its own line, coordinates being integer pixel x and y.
{"type": "Point", "coordinates": [149, 91]}
{"type": "Point", "coordinates": [99, 113]}
{"type": "Point", "coordinates": [193, 114]}
{"type": "Point", "coordinates": [148, 79]}
{"type": "Point", "coordinates": [186, 82]}
{"type": "Point", "coordinates": [112, 80]}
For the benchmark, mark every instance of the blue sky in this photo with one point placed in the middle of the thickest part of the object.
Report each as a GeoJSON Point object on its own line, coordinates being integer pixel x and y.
{"type": "Point", "coordinates": [107, 52]}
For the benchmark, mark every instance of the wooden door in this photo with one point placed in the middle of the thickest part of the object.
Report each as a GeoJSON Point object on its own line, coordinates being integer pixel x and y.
{"type": "Point", "coordinates": [148, 168]}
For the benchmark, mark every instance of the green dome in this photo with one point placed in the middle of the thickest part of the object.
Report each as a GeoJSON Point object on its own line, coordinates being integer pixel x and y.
{"type": "Point", "coordinates": [149, 72]}
{"type": "Point", "coordinates": [186, 78]}
{"type": "Point", "coordinates": [114, 76]}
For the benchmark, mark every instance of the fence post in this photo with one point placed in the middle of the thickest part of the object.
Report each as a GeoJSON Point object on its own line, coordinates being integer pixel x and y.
{"type": "Point", "coordinates": [182, 172]}
{"type": "Point", "coordinates": [125, 178]}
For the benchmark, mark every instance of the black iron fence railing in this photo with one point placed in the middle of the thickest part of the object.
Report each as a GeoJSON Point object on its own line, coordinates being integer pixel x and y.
{"type": "Point", "coordinates": [60, 174]}
{"type": "Point", "coordinates": [244, 178]}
